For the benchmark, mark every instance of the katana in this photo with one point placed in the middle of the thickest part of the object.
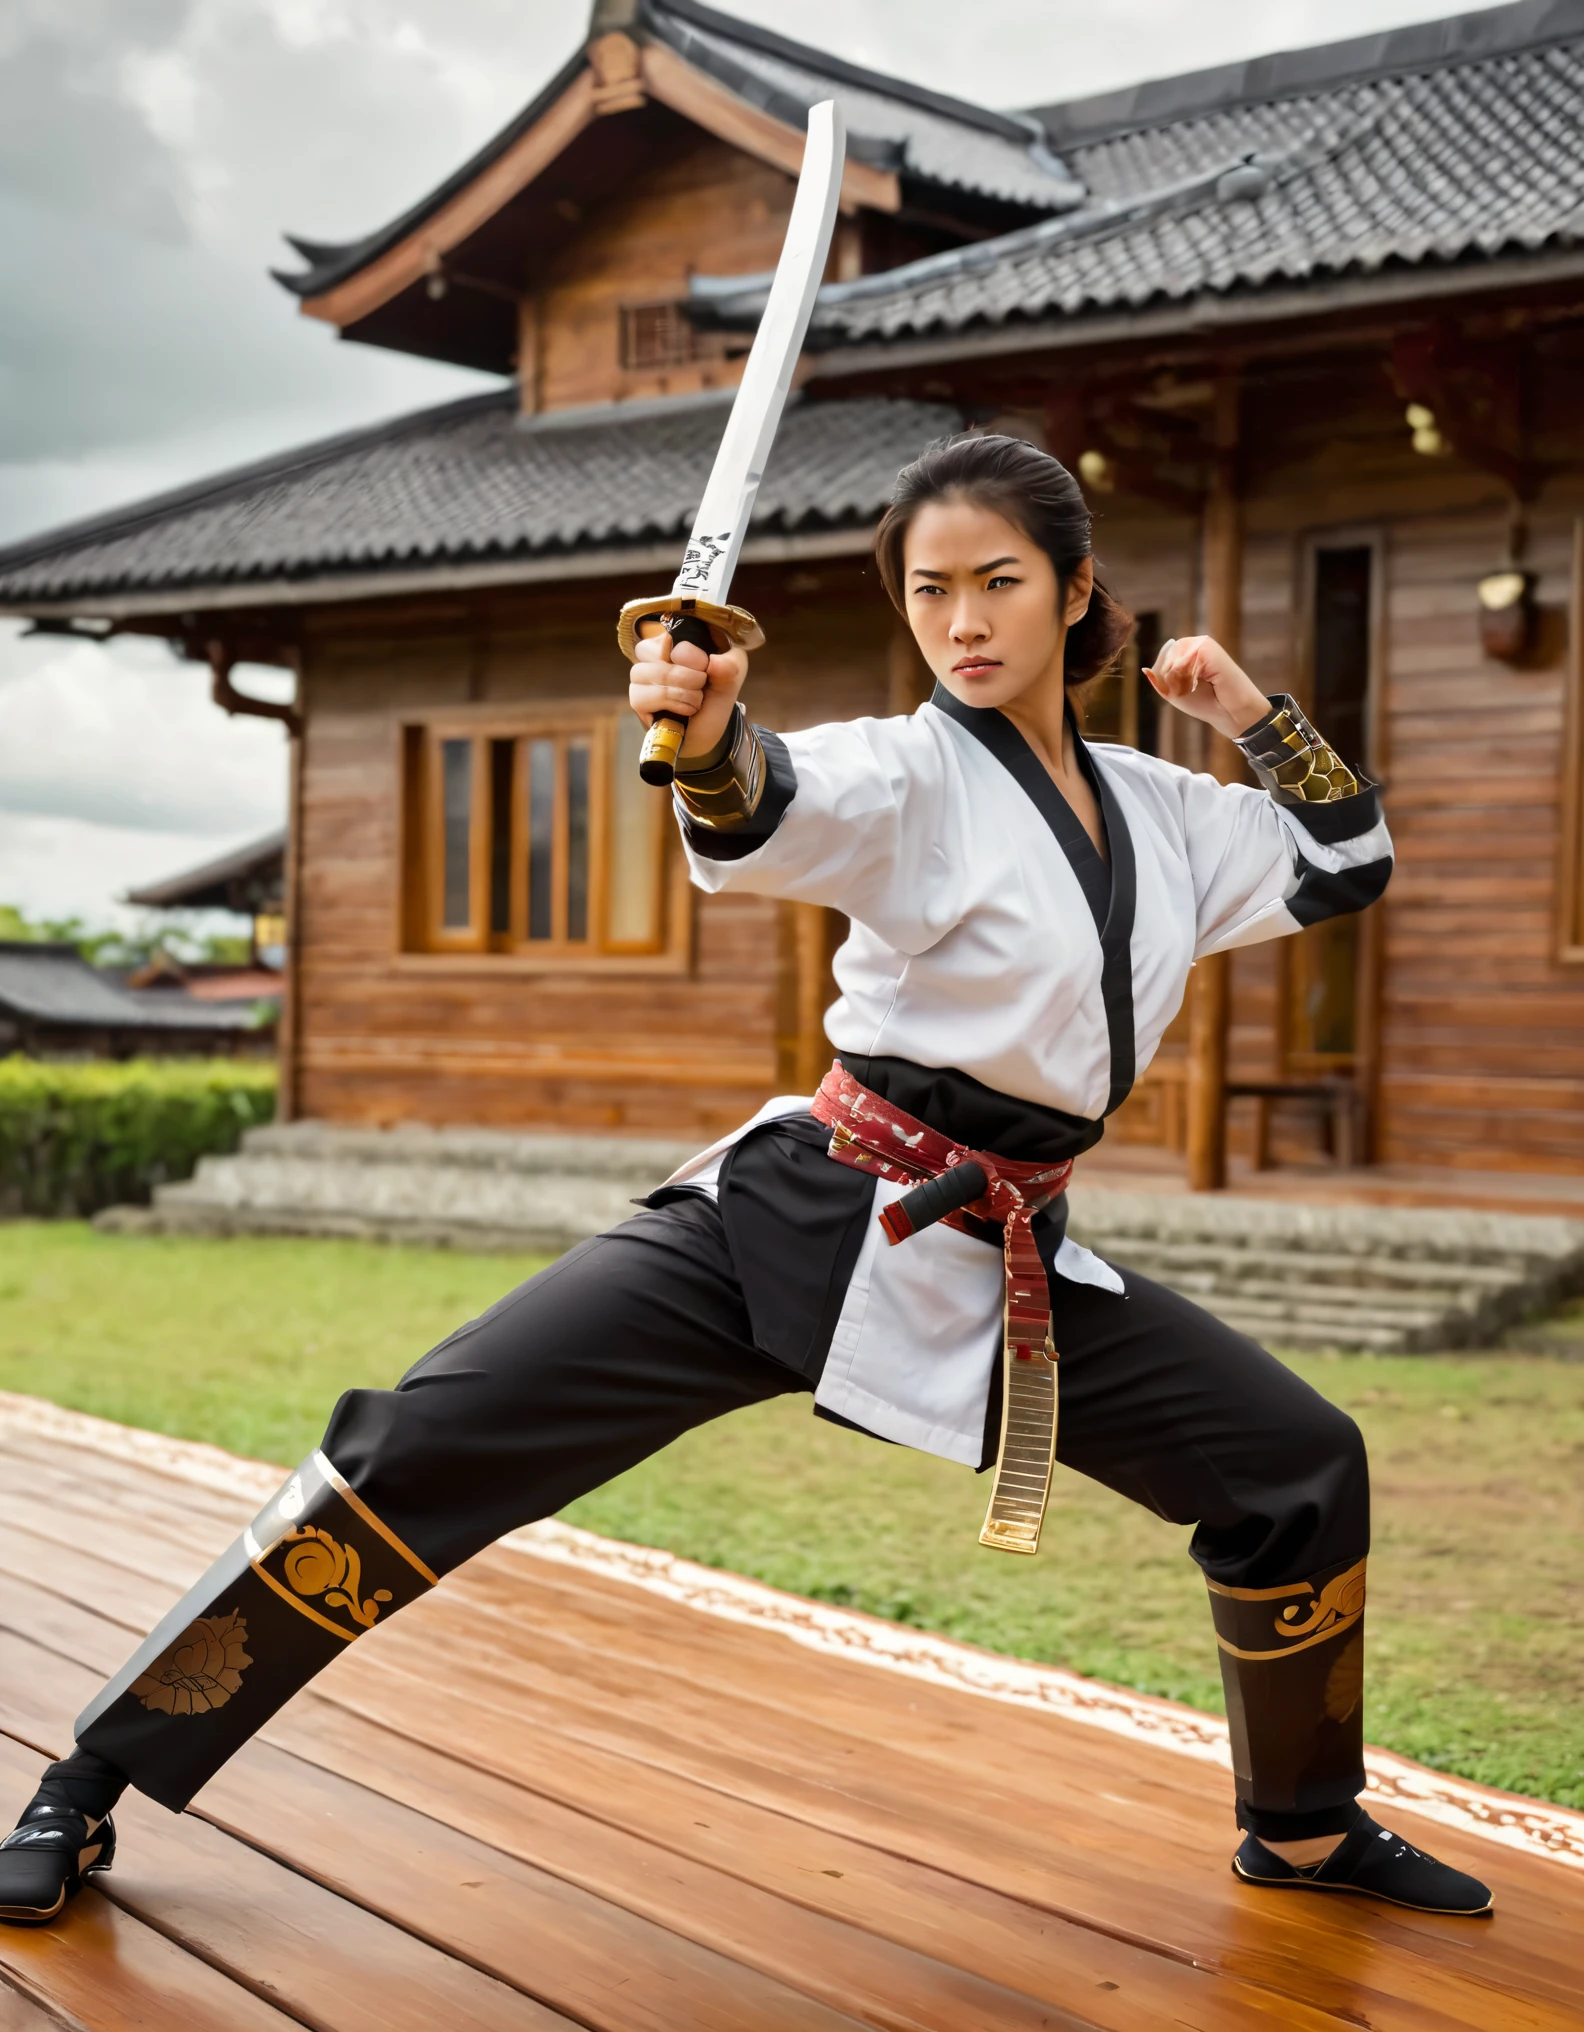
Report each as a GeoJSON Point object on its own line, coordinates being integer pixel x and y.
{"type": "Point", "coordinates": [695, 610]}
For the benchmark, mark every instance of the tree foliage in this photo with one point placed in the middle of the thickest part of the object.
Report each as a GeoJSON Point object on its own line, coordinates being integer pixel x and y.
{"type": "Point", "coordinates": [108, 947]}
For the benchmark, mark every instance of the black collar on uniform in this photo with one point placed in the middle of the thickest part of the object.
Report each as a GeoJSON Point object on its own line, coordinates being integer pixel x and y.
{"type": "Point", "coordinates": [1110, 893]}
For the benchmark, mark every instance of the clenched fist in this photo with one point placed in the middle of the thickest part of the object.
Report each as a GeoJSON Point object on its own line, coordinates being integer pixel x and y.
{"type": "Point", "coordinates": [699, 689]}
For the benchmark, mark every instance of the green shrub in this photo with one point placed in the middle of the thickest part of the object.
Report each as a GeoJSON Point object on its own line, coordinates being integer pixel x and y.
{"type": "Point", "coordinates": [74, 1138]}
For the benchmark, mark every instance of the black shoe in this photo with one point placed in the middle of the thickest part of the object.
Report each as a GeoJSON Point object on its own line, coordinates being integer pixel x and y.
{"type": "Point", "coordinates": [46, 1859]}
{"type": "Point", "coordinates": [1371, 1862]}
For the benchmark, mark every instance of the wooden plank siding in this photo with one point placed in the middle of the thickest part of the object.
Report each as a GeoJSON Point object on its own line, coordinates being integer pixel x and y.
{"type": "Point", "coordinates": [1483, 1033]}
{"type": "Point", "coordinates": [700, 205]}
{"type": "Point", "coordinates": [390, 1036]}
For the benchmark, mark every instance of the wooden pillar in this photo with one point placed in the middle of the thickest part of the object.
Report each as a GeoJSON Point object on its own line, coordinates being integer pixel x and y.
{"type": "Point", "coordinates": [288, 1034]}
{"type": "Point", "coordinates": [909, 681]}
{"type": "Point", "coordinates": [809, 935]}
{"type": "Point", "coordinates": [530, 357]}
{"type": "Point", "coordinates": [1210, 985]}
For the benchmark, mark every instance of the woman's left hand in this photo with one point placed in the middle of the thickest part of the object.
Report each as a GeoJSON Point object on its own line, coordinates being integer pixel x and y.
{"type": "Point", "coordinates": [1197, 676]}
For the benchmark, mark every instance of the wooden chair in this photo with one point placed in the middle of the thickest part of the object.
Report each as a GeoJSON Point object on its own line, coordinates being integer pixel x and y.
{"type": "Point", "coordinates": [1336, 1096]}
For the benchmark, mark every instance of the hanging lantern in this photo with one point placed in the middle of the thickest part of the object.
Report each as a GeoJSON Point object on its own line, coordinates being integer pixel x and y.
{"type": "Point", "coordinates": [1427, 438]}
{"type": "Point", "coordinates": [1507, 614]}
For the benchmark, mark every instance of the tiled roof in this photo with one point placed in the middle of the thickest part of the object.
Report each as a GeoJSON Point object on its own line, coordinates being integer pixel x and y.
{"type": "Point", "coordinates": [473, 482]}
{"type": "Point", "coordinates": [232, 881]}
{"type": "Point", "coordinates": [54, 984]}
{"type": "Point", "coordinates": [924, 136]}
{"type": "Point", "coordinates": [1453, 142]}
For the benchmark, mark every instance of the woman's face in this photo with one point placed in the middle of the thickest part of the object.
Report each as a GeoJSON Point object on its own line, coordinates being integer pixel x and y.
{"type": "Point", "coordinates": [983, 601]}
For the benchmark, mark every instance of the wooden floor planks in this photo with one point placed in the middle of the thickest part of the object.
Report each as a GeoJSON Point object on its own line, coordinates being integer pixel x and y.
{"type": "Point", "coordinates": [544, 1798]}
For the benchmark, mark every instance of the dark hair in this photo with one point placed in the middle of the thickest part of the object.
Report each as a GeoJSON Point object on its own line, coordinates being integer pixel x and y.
{"type": "Point", "coordinates": [1029, 488]}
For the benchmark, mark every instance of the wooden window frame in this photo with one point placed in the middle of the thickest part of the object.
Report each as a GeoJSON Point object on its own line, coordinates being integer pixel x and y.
{"type": "Point", "coordinates": [1570, 833]}
{"type": "Point", "coordinates": [422, 942]}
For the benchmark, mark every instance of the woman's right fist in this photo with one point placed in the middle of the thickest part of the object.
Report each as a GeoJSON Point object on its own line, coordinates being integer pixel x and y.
{"type": "Point", "coordinates": [681, 679]}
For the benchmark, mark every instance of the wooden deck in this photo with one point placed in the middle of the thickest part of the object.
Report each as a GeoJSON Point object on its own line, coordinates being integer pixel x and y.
{"type": "Point", "coordinates": [549, 1797]}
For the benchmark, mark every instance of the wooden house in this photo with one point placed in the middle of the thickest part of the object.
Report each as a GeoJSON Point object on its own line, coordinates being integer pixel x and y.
{"type": "Point", "coordinates": [1310, 329]}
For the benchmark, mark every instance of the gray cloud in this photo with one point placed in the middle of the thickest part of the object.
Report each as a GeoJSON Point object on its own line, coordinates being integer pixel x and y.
{"type": "Point", "coordinates": [69, 135]}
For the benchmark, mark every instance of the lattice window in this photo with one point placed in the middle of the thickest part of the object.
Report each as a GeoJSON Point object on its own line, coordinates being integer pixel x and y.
{"type": "Point", "coordinates": [656, 335]}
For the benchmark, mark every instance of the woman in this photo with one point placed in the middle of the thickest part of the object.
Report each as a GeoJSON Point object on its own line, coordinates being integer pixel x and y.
{"type": "Point", "coordinates": [1024, 917]}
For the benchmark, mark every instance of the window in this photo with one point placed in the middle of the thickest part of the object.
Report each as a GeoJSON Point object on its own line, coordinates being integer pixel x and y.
{"type": "Point", "coordinates": [1122, 705]}
{"type": "Point", "coordinates": [538, 840]}
{"type": "Point", "coordinates": [1323, 963]}
{"type": "Point", "coordinates": [656, 335]}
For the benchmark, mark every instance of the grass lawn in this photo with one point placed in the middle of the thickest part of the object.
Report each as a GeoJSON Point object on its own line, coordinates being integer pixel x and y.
{"type": "Point", "coordinates": [1476, 1643]}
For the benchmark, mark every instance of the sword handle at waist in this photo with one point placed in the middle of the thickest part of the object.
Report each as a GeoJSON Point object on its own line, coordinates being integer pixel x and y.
{"type": "Point", "coordinates": [707, 626]}
{"type": "Point", "coordinates": [933, 1200]}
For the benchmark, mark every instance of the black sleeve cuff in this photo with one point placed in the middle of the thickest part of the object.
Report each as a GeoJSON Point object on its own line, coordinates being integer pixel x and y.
{"type": "Point", "coordinates": [745, 839]}
{"type": "Point", "coordinates": [1344, 818]}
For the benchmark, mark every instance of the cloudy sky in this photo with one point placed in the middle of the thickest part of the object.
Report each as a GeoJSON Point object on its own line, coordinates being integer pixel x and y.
{"type": "Point", "coordinates": [152, 152]}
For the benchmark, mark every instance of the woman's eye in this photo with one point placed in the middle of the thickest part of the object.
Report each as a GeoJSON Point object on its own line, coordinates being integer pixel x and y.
{"type": "Point", "coordinates": [991, 585]}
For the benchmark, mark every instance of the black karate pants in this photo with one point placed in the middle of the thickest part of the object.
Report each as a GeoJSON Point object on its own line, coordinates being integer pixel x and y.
{"type": "Point", "coordinates": [640, 1334]}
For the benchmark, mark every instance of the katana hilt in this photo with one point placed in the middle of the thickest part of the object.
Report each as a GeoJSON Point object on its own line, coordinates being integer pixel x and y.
{"type": "Point", "coordinates": [933, 1200]}
{"type": "Point", "coordinates": [707, 626]}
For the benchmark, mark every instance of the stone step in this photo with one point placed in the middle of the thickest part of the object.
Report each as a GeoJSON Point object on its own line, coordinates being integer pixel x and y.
{"type": "Point", "coordinates": [1363, 1336]}
{"type": "Point", "coordinates": [450, 1188]}
{"type": "Point", "coordinates": [1179, 1261]}
{"type": "Point", "coordinates": [1287, 1273]}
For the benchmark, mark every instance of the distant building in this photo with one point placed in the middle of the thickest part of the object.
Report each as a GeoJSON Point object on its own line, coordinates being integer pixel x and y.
{"type": "Point", "coordinates": [1311, 329]}
{"type": "Point", "coordinates": [250, 882]}
{"type": "Point", "coordinates": [54, 1005]}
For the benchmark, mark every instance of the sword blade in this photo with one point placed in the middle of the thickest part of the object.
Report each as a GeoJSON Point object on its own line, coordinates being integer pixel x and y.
{"type": "Point", "coordinates": [722, 520]}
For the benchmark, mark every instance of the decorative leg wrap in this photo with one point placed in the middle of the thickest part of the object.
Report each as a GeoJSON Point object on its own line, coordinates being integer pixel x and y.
{"type": "Point", "coordinates": [314, 1570]}
{"type": "Point", "coordinates": [1292, 1663]}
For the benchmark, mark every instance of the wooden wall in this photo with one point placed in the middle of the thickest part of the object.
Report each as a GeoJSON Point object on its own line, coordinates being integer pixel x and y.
{"type": "Point", "coordinates": [1481, 1025]}
{"type": "Point", "coordinates": [702, 206]}
{"type": "Point", "coordinates": [386, 1036]}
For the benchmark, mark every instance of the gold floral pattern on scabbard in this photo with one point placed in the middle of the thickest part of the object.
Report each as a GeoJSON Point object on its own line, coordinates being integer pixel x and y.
{"type": "Point", "coordinates": [200, 1671]}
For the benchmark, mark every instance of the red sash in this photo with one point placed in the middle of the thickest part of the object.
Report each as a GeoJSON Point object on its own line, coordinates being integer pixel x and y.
{"type": "Point", "coordinates": [869, 1134]}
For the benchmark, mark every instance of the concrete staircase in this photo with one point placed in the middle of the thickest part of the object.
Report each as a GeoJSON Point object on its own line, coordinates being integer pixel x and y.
{"type": "Point", "coordinates": [480, 1189]}
{"type": "Point", "coordinates": [1296, 1275]}
{"type": "Point", "coordinates": [1289, 1273]}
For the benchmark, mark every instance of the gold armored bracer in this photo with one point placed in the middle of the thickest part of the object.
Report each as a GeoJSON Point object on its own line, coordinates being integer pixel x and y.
{"type": "Point", "coordinates": [722, 789]}
{"type": "Point", "coordinates": [1292, 762]}
{"type": "Point", "coordinates": [312, 1572]}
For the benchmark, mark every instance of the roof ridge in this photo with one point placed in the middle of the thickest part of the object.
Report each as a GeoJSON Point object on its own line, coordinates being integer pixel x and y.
{"type": "Point", "coordinates": [1439, 44]}
{"type": "Point", "coordinates": [277, 465]}
{"type": "Point", "coordinates": [1108, 214]}
{"type": "Point", "coordinates": [1010, 126]}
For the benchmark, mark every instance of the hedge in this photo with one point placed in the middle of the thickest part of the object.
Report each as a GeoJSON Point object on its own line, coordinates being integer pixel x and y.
{"type": "Point", "coordinates": [77, 1137]}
